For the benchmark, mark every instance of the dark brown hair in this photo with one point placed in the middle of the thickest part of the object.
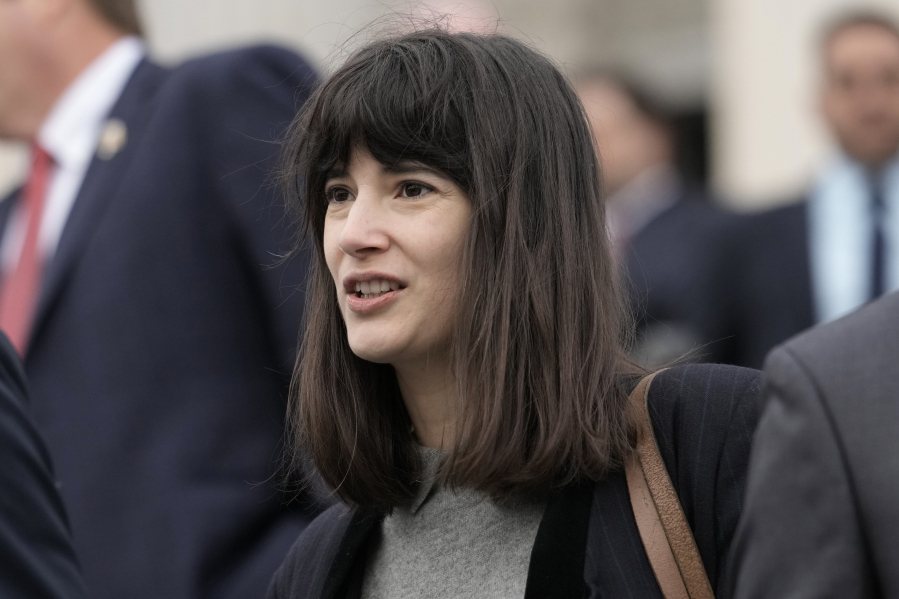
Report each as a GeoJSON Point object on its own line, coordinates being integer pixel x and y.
{"type": "Point", "coordinates": [856, 18]}
{"type": "Point", "coordinates": [538, 346]}
{"type": "Point", "coordinates": [122, 14]}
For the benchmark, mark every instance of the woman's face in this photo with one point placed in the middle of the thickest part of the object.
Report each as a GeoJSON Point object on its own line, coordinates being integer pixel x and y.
{"type": "Point", "coordinates": [393, 240]}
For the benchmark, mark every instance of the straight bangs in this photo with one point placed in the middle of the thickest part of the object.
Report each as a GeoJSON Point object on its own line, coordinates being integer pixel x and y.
{"type": "Point", "coordinates": [539, 340]}
{"type": "Point", "coordinates": [397, 104]}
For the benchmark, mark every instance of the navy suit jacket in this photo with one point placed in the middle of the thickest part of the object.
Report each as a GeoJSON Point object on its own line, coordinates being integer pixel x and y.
{"type": "Point", "coordinates": [676, 267]}
{"type": "Point", "coordinates": [165, 335]}
{"type": "Point", "coordinates": [770, 295]}
{"type": "Point", "coordinates": [36, 555]}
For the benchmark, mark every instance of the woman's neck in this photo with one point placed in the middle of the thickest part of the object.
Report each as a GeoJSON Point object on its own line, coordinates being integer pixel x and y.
{"type": "Point", "coordinates": [429, 392]}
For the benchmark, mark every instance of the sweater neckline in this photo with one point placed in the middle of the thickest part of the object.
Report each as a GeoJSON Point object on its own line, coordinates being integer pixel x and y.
{"type": "Point", "coordinates": [431, 459]}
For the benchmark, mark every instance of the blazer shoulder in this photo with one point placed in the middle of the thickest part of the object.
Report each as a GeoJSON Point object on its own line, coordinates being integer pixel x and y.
{"type": "Point", "coordinates": [851, 364]}
{"type": "Point", "coordinates": [306, 566]}
{"type": "Point", "coordinates": [791, 212]}
{"type": "Point", "coordinates": [708, 224]}
{"type": "Point", "coordinates": [704, 417]}
{"type": "Point", "coordinates": [786, 222]}
{"type": "Point", "coordinates": [237, 101]}
{"type": "Point", "coordinates": [865, 334]}
{"type": "Point", "coordinates": [267, 64]}
{"type": "Point", "coordinates": [701, 410]}
{"type": "Point", "coordinates": [721, 388]}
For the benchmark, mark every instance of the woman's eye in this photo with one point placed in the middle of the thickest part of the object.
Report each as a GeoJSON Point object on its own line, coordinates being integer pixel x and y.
{"type": "Point", "coordinates": [338, 195]}
{"type": "Point", "coordinates": [415, 190]}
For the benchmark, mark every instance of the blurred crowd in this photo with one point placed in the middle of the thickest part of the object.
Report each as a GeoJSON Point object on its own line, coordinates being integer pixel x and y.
{"type": "Point", "coordinates": [143, 284]}
{"type": "Point", "coordinates": [715, 286]}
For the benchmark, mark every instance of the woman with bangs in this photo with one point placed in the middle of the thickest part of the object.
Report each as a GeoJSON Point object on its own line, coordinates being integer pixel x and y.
{"type": "Point", "coordinates": [463, 385]}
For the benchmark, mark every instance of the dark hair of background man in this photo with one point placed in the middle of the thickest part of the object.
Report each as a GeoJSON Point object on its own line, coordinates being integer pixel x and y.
{"type": "Point", "coordinates": [688, 127]}
{"type": "Point", "coordinates": [856, 18]}
{"type": "Point", "coordinates": [122, 14]}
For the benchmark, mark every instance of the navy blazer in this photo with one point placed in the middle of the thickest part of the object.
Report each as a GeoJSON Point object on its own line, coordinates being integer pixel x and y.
{"type": "Point", "coordinates": [36, 554]}
{"type": "Point", "coordinates": [676, 267]}
{"type": "Point", "coordinates": [769, 284]}
{"type": "Point", "coordinates": [165, 335]}
{"type": "Point", "coordinates": [588, 544]}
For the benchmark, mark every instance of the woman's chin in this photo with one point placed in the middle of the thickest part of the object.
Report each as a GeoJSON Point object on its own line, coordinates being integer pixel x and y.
{"type": "Point", "coordinates": [374, 352]}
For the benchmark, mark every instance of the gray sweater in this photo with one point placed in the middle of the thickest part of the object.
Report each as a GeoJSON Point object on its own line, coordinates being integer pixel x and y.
{"type": "Point", "coordinates": [452, 544]}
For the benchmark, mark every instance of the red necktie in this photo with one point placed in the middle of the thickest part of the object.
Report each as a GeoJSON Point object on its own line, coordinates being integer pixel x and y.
{"type": "Point", "coordinates": [22, 284]}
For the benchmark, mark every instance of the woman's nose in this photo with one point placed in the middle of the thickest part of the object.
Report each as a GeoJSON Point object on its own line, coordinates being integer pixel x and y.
{"type": "Point", "coordinates": [364, 231]}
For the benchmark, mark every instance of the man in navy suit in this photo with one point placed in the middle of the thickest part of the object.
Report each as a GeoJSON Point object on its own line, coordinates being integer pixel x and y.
{"type": "Point", "coordinates": [820, 259]}
{"type": "Point", "coordinates": [667, 233]}
{"type": "Point", "coordinates": [140, 278]}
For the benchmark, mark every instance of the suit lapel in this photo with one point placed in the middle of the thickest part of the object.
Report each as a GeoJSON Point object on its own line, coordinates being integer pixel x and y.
{"type": "Point", "coordinates": [556, 567]}
{"type": "Point", "coordinates": [6, 209]}
{"type": "Point", "coordinates": [130, 117]}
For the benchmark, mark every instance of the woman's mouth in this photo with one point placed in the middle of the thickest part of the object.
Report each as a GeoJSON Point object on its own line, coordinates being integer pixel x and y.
{"type": "Point", "coordinates": [375, 288]}
{"type": "Point", "coordinates": [373, 294]}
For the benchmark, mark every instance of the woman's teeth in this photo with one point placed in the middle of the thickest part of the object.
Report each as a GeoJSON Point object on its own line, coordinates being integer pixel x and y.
{"type": "Point", "coordinates": [376, 288]}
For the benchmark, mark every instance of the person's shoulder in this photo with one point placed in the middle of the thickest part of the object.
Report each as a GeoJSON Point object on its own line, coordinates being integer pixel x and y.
{"type": "Point", "coordinates": [699, 382]}
{"type": "Point", "coordinates": [788, 210]}
{"type": "Point", "coordinates": [698, 214]}
{"type": "Point", "coordinates": [222, 75]}
{"type": "Point", "coordinates": [233, 105]}
{"type": "Point", "coordinates": [308, 561]}
{"type": "Point", "coordinates": [858, 330]}
{"type": "Point", "coordinates": [784, 219]}
{"type": "Point", "coordinates": [249, 59]}
{"type": "Point", "coordinates": [703, 399]}
{"type": "Point", "coordinates": [862, 345]}
{"type": "Point", "coordinates": [320, 533]}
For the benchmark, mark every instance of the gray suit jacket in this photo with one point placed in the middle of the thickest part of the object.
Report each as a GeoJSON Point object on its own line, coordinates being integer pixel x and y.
{"type": "Point", "coordinates": [821, 517]}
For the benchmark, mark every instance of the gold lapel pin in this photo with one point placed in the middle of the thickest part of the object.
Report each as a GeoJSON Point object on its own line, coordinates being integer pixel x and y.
{"type": "Point", "coordinates": [112, 139]}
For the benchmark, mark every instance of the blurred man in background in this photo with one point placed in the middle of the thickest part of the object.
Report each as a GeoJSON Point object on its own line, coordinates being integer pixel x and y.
{"type": "Point", "coordinates": [815, 261]}
{"type": "Point", "coordinates": [138, 280]}
{"type": "Point", "coordinates": [667, 235]}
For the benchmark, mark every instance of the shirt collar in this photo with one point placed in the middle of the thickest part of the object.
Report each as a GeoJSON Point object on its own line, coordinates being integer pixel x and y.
{"type": "Point", "coordinates": [431, 459]}
{"type": "Point", "coordinates": [841, 163]}
{"type": "Point", "coordinates": [71, 131]}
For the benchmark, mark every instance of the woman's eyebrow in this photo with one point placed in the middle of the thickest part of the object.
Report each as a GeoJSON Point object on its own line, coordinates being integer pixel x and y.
{"type": "Point", "coordinates": [405, 167]}
{"type": "Point", "coordinates": [336, 173]}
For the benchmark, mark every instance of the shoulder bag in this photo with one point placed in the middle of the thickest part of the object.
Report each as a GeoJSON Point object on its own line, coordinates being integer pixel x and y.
{"type": "Point", "coordinates": [663, 527]}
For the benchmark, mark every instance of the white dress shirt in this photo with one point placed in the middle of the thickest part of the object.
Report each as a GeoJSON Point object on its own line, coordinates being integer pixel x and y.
{"type": "Point", "coordinates": [840, 241]}
{"type": "Point", "coordinates": [70, 134]}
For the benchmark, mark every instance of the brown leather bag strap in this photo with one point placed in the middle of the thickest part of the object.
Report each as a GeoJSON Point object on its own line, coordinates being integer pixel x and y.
{"type": "Point", "coordinates": [663, 527]}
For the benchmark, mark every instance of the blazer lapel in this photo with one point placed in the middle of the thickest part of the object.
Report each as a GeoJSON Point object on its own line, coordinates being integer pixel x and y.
{"type": "Point", "coordinates": [556, 569]}
{"type": "Point", "coordinates": [118, 144]}
{"type": "Point", "coordinates": [344, 579]}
